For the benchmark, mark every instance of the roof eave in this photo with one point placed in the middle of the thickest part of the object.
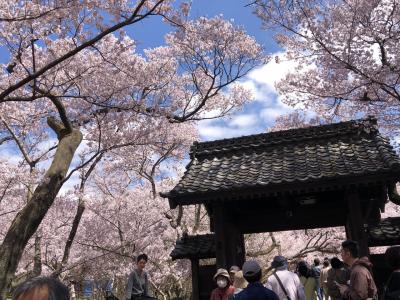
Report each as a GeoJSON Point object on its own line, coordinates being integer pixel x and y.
{"type": "Point", "coordinates": [345, 182]}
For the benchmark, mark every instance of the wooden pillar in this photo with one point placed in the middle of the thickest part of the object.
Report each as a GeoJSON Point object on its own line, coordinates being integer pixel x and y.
{"type": "Point", "coordinates": [355, 227]}
{"type": "Point", "coordinates": [195, 279]}
{"type": "Point", "coordinates": [229, 240]}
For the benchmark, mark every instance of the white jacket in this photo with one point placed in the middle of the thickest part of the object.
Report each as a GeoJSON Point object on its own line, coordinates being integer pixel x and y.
{"type": "Point", "coordinates": [291, 283]}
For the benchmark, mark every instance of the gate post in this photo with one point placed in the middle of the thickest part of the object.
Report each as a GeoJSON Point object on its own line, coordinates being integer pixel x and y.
{"type": "Point", "coordinates": [355, 227]}
{"type": "Point", "coordinates": [229, 240]}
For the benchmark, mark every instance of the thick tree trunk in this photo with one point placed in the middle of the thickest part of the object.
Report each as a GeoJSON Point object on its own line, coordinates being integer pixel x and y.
{"type": "Point", "coordinates": [29, 218]}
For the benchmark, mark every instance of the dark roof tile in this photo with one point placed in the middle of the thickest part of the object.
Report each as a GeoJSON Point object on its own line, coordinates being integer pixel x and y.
{"type": "Point", "coordinates": [306, 155]}
{"type": "Point", "coordinates": [195, 247]}
{"type": "Point", "coordinates": [385, 233]}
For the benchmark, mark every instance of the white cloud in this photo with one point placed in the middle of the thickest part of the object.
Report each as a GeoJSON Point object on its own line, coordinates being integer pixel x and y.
{"type": "Point", "coordinates": [262, 80]}
{"type": "Point", "coordinates": [271, 113]}
{"type": "Point", "coordinates": [45, 145]}
{"type": "Point", "coordinates": [244, 120]}
{"type": "Point", "coordinates": [11, 156]}
{"type": "Point", "coordinates": [70, 184]}
{"type": "Point", "coordinates": [259, 114]}
{"type": "Point", "coordinates": [9, 152]}
{"type": "Point", "coordinates": [216, 132]}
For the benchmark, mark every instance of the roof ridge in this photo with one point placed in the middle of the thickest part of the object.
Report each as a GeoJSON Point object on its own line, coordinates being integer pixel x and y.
{"type": "Point", "coordinates": [366, 125]}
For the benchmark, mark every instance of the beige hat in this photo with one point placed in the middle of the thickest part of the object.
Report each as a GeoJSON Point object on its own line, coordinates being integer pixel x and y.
{"type": "Point", "coordinates": [222, 272]}
{"type": "Point", "coordinates": [239, 282]}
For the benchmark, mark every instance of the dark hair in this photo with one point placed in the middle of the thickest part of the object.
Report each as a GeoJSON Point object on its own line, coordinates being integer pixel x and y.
{"type": "Point", "coordinates": [56, 289]}
{"type": "Point", "coordinates": [317, 261]}
{"type": "Point", "coordinates": [326, 263]}
{"type": "Point", "coordinates": [336, 263]}
{"type": "Point", "coordinates": [392, 256]}
{"type": "Point", "coordinates": [304, 270]}
{"type": "Point", "coordinates": [253, 278]}
{"type": "Point", "coordinates": [351, 246]}
{"type": "Point", "coordinates": [142, 256]}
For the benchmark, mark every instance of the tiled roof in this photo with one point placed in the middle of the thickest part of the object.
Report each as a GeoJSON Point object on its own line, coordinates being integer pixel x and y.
{"type": "Point", "coordinates": [342, 151]}
{"type": "Point", "coordinates": [385, 233]}
{"type": "Point", "coordinates": [195, 247]}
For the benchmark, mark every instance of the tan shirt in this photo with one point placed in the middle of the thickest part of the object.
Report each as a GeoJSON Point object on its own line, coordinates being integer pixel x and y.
{"type": "Point", "coordinates": [324, 275]}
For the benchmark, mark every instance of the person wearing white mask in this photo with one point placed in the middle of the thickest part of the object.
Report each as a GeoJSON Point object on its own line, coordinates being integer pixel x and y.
{"type": "Point", "coordinates": [224, 289]}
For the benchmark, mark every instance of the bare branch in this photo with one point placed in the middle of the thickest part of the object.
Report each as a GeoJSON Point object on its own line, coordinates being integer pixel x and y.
{"type": "Point", "coordinates": [9, 182]}
{"type": "Point", "coordinates": [60, 108]}
{"type": "Point", "coordinates": [5, 139]}
{"type": "Point", "coordinates": [18, 142]}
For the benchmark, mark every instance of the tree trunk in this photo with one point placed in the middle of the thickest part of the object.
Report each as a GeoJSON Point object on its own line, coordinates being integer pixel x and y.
{"type": "Point", "coordinates": [76, 222]}
{"type": "Point", "coordinates": [71, 237]}
{"type": "Point", "coordinates": [37, 260]}
{"type": "Point", "coordinates": [29, 218]}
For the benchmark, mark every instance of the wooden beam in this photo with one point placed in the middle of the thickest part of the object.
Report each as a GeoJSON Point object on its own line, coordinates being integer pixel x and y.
{"type": "Point", "coordinates": [195, 279]}
{"type": "Point", "coordinates": [355, 227]}
{"type": "Point", "coordinates": [299, 218]}
{"type": "Point", "coordinates": [229, 240]}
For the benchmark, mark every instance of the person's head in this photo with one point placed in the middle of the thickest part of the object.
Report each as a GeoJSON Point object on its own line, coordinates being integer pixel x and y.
{"type": "Point", "coordinates": [252, 271]}
{"type": "Point", "coordinates": [303, 269]}
{"type": "Point", "coordinates": [316, 261]}
{"type": "Point", "coordinates": [325, 263]}
{"type": "Point", "coordinates": [336, 263]}
{"type": "Point", "coordinates": [239, 282]}
{"type": "Point", "coordinates": [41, 288]}
{"type": "Point", "coordinates": [349, 251]}
{"type": "Point", "coordinates": [392, 256]}
{"type": "Point", "coordinates": [222, 278]}
{"type": "Point", "coordinates": [232, 272]}
{"type": "Point", "coordinates": [279, 263]}
{"type": "Point", "coordinates": [141, 261]}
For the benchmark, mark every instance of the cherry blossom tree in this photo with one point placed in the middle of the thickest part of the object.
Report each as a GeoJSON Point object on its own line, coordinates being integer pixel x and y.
{"type": "Point", "coordinates": [346, 55]}
{"type": "Point", "coordinates": [305, 244]}
{"type": "Point", "coordinates": [74, 75]}
{"type": "Point", "coordinates": [118, 224]}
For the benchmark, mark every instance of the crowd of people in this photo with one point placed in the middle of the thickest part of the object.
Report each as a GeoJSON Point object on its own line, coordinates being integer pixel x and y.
{"type": "Point", "coordinates": [333, 279]}
{"type": "Point", "coordinates": [350, 278]}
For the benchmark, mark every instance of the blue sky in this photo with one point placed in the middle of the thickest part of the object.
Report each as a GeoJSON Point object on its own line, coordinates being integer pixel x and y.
{"type": "Point", "coordinates": [150, 32]}
{"type": "Point", "coordinates": [256, 116]}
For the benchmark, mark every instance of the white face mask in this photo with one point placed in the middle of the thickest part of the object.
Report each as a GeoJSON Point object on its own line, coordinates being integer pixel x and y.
{"type": "Point", "coordinates": [222, 283]}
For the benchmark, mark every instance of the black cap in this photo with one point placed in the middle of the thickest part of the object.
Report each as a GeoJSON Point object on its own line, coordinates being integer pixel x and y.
{"type": "Point", "coordinates": [279, 261]}
{"type": "Point", "coordinates": [251, 268]}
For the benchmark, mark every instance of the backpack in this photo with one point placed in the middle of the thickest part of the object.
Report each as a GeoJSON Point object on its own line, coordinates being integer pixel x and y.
{"type": "Point", "coordinates": [394, 295]}
{"type": "Point", "coordinates": [315, 272]}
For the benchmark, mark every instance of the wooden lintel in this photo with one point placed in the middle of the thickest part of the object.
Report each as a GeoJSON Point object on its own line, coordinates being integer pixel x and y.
{"type": "Point", "coordinates": [280, 220]}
